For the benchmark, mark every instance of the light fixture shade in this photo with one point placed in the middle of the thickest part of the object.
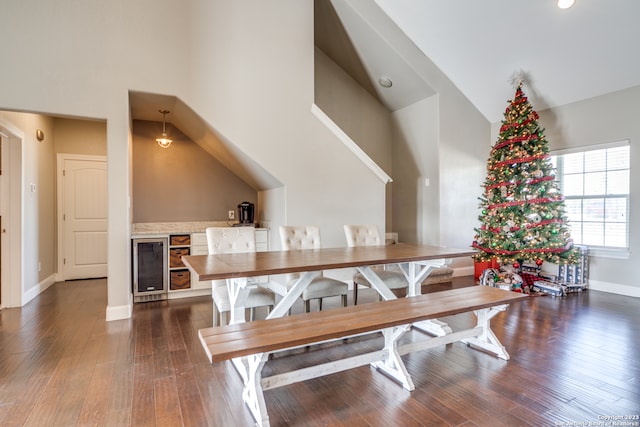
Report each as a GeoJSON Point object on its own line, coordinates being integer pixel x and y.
{"type": "Point", "coordinates": [164, 141]}
{"type": "Point", "coordinates": [565, 4]}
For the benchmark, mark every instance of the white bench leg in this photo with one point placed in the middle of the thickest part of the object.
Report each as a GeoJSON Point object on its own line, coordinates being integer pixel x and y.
{"type": "Point", "coordinates": [253, 394]}
{"type": "Point", "coordinates": [392, 364]}
{"type": "Point", "coordinates": [487, 340]}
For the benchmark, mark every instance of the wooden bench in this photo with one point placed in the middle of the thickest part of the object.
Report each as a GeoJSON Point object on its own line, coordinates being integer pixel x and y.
{"type": "Point", "coordinates": [249, 345]}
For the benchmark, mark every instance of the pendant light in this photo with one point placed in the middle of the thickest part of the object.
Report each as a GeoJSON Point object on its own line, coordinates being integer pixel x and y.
{"type": "Point", "coordinates": [565, 4]}
{"type": "Point", "coordinates": [164, 141]}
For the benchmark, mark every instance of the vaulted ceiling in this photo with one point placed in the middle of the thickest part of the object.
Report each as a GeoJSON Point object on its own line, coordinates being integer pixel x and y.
{"type": "Point", "coordinates": [564, 56]}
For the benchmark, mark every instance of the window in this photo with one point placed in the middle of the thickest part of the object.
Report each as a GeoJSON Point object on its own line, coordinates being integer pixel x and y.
{"type": "Point", "coordinates": [595, 185]}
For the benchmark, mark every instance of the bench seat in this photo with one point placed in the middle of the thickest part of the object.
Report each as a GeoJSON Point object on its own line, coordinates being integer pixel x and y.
{"type": "Point", "coordinates": [249, 344]}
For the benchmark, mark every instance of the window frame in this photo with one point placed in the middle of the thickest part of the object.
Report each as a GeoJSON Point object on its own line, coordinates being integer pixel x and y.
{"type": "Point", "coordinates": [598, 250]}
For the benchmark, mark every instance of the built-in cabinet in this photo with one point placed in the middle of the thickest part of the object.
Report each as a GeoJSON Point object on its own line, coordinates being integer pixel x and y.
{"type": "Point", "coordinates": [182, 245]}
{"type": "Point", "coordinates": [181, 282]}
{"type": "Point", "coordinates": [179, 276]}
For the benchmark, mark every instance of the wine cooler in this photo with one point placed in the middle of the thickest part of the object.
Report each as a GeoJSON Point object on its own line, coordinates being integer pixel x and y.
{"type": "Point", "coordinates": [150, 269]}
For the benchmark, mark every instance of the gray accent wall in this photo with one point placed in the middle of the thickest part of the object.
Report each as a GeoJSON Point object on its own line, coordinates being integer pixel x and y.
{"type": "Point", "coordinates": [181, 183]}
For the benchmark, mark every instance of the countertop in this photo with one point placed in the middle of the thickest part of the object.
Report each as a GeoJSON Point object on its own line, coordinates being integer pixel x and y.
{"type": "Point", "coordinates": [154, 228]}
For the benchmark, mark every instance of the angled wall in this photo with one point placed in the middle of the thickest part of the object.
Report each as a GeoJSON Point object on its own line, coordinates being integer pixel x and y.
{"type": "Point", "coordinates": [254, 74]}
{"type": "Point", "coordinates": [245, 67]}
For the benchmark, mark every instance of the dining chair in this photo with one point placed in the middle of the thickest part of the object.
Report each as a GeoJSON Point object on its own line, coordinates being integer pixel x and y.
{"type": "Point", "coordinates": [223, 240]}
{"type": "Point", "coordinates": [369, 235]}
{"type": "Point", "coordinates": [308, 237]}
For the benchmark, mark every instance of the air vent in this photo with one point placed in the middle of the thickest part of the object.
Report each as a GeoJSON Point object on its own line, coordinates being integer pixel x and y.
{"type": "Point", "coordinates": [150, 297]}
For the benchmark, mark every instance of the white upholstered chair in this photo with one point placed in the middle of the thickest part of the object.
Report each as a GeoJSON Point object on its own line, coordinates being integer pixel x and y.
{"type": "Point", "coordinates": [308, 237]}
{"type": "Point", "coordinates": [222, 240]}
{"type": "Point", "coordinates": [369, 235]}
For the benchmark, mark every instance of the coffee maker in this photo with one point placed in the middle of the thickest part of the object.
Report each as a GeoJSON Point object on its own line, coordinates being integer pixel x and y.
{"type": "Point", "coordinates": [245, 213]}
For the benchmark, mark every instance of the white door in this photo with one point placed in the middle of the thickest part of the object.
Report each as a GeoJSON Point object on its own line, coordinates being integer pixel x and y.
{"type": "Point", "coordinates": [84, 217]}
{"type": "Point", "coordinates": [1, 211]}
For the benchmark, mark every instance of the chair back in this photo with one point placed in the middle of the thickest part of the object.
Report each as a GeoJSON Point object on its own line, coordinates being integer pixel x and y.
{"type": "Point", "coordinates": [362, 235]}
{"type": "Point", "coordinates": [226, 240]}
{"type": "Point", "coordinates": [294, 237]}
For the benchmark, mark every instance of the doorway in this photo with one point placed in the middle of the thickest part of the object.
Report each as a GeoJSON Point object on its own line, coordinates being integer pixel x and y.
{"type": "Point", "coordinates": [2, 231]}
{"type": "Point", "coordinates": [10, 215]}
{"type": "Point", "coordinates": [82, 216]}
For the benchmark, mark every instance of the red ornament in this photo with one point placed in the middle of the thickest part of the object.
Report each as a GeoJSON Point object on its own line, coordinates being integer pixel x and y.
{"type": "Point", "coordinates": [539, 262]}
{"type": "Point", "coordinates": [516, 265]}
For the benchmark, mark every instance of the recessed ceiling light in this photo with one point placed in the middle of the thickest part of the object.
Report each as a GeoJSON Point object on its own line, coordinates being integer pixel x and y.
{"type": "Point", "coordinates": [565, 4]}
{"type": "Point", "coordinates": [385, 82]}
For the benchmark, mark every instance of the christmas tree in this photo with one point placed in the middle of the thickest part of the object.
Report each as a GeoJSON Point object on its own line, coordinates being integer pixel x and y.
{"type": "Point", "coordinates": [522, 210]}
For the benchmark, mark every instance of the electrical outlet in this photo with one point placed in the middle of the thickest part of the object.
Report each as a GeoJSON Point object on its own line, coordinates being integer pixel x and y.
{"type": "Point", "coordinates": [232, 214]}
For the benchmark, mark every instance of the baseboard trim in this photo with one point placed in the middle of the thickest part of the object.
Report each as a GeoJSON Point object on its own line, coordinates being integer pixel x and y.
{"type": "Point", "coordinates": [38, 289]}
{"type": "Point", "coordinates": [190, 293]}
{"type": "Point", "coordinates": [612, 288]}
{"type": "Point", "coordinates": [615, 288]}
{"type": "Point", "coordinates": [119, 312]}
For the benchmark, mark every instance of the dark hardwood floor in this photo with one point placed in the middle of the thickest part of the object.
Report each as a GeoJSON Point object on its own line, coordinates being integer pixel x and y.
{"type": "Point", "coordinates": [573, 360]}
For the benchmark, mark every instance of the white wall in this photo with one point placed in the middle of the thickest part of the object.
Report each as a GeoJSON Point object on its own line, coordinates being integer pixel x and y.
{"type": "Point", "coordinates": [359, 115]}
{"type": "Point", "coordinates": [254, 72]}
{"type": "Point", "coordinates": [416, 206]}
{"type": "Point", "coordinates": [464, 150]}
{"type": "Point", "coordinates": [38, 207]}
{"type": "Point", "coordinates": [80, 59]}
{"type": "Point", "coordinates": [607, 118]}
{"type": "Point", "coordinates": [463, 141]}
{"type": "Point", "coordinates": [245, 67]}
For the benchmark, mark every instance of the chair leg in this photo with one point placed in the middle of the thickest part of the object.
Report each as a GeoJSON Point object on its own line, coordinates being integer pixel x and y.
{"type": "Point", "coordinates": [227, 317]}
{"type": "Point", "coordinates": [344, 300]}
{"type": "Point", "coordinates": [252, 314]}
{"type": "Point", "coordinates": [355, 293]}
{"type": "Point", "coordinates": [319, 304]}
{"type": "Point", "coordinates": [216, 315]}
{"type": "Point", "coordinates": [307, 306]}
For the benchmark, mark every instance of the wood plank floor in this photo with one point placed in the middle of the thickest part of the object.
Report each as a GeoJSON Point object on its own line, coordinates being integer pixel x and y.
{"type": "Point", "coordinates": [573, 360]}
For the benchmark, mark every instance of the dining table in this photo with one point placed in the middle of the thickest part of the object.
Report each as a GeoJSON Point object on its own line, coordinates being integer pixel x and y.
{"type": "Point", "coordinates": [415, 261]}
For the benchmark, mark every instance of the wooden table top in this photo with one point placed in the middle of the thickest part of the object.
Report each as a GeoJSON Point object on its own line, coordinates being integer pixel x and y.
{"type": "Point", "coordinates": [226, 266]}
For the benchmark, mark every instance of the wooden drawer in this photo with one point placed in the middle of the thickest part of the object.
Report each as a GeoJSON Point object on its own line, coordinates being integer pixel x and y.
{"type": "Point", "coordinates": [180, 240]}
{"type": "Point", "coordinates": [180, 279]}
{"type": "Point", "coordinates": [175, 256]}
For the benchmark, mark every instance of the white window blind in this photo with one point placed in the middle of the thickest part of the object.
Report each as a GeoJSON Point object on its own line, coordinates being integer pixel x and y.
{"type": "Point", "coordinates": [595, 184]}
